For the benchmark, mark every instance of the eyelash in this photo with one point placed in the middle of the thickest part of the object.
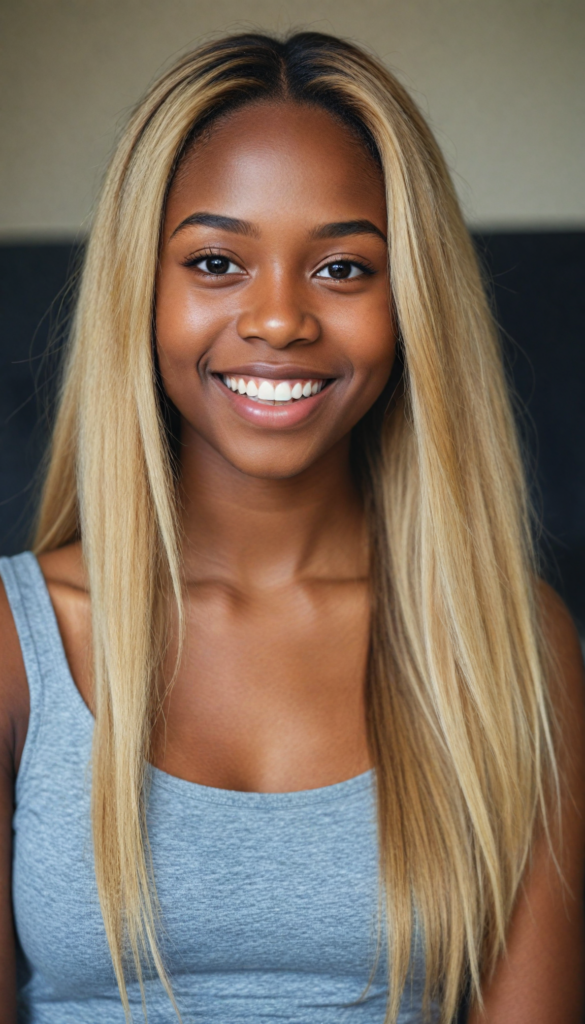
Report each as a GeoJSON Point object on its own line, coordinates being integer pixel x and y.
{"type": "Point", "coordinates": [194, 260]}
{"type": "Point", "coordinates": [207, 254]}
{"type": "Point", "coordinates": [365, 269]}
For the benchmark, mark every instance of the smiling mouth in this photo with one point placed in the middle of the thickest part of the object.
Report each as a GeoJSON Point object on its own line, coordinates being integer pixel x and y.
{"type": "Point", "coordinates": [273, 392]}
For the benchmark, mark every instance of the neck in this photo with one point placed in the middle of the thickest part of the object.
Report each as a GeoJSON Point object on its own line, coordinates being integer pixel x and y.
{"type": "Point", "coordinates": [250, 531]}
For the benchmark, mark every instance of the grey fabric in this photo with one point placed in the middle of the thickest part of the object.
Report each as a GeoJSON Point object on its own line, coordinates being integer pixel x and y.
{"type": "Point", "coordinates": [269, 901]}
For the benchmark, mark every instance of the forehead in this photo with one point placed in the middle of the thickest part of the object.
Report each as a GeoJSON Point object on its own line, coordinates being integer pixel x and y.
{"type": "Point", "coordinates": [274, 159]}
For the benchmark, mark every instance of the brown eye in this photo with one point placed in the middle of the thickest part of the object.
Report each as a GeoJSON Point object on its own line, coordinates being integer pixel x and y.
{"type": "Point", "coordinates": [343, 270]}
{"type": "Point", "coordinates": [339, 270]}
{"type": "Point", "coordinates": [216, 264]}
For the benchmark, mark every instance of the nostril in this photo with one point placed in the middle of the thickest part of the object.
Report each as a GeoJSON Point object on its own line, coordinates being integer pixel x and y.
{"type": "Point", "coordinates": [279, 332]}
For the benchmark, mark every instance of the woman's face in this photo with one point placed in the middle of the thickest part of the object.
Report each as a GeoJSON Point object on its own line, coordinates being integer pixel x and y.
{"type": "Point", "coordinates": [273, 281]}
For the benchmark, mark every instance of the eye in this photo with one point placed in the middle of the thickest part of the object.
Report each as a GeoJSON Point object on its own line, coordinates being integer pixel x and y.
{"type": "Point", "coordinates": [343, 270]}
{"type": "Point", "coordinates": [216, 265]}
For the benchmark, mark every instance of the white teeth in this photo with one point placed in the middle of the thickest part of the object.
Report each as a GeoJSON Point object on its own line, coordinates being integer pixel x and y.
{"type": "Point", "coordinates": [266, 391]}
{"type": "Point", "coordinates": [282, 392]}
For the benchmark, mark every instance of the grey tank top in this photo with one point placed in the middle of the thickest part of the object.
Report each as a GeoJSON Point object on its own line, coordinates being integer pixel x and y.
{"type": "Point", "coordinates": [269, 901]}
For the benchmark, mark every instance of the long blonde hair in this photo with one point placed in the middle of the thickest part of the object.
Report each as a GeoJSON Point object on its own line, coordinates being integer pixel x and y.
{"type": "Point", "coordinates": [458, 711]}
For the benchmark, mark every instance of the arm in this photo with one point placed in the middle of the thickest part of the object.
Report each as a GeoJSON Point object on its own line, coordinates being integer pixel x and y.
{"type": "Point", "coordinates": [13, 723]}
{"type": "Point", "coordinates": [541, 980]}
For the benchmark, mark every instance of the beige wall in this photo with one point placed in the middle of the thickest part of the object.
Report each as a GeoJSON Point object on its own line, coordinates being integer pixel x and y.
{"type": "Point", "coordinates": [502, 81]}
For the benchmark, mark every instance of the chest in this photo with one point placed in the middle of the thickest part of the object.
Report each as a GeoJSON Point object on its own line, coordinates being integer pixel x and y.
{"type": "Point", "coordinates": [270, 694]}
{"type": "Point", "coordinates": [270, 690]}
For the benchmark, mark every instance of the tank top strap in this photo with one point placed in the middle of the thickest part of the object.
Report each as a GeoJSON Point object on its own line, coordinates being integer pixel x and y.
{"type": "Point", "coordinates": [55, 702]}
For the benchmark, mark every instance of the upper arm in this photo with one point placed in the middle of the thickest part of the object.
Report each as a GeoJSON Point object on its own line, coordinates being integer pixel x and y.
{"type": "Point", "coordinates": [541, 979]}
{"type": "Point", "coordinates": [13, 724]}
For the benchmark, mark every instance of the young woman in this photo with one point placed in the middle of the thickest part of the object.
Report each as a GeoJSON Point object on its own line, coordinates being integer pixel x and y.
{"type": "Point", "coordinates": [283, 602]}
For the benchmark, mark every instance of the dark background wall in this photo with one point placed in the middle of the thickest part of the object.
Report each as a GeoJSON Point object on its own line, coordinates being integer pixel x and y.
{"type": "Point", "coordinates": [537, 281]}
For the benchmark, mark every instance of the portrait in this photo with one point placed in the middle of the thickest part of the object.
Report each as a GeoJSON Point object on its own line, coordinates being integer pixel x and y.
{"type": "Point", "coordinates": [292, 716]}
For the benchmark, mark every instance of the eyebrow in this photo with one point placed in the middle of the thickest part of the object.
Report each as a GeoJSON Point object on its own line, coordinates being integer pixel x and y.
{"type": "Point", "coordinates": [336, 229]}
{"type": "Point", "coordinates": [217, 220]}
{"type": "Point", "coordinates": [342, 228]}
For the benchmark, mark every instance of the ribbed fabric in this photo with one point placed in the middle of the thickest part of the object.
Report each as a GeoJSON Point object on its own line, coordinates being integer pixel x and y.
{"type": "Point", "coordinates": [269, 901]}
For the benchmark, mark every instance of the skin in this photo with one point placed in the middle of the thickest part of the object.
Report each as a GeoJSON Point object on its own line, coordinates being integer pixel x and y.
{"type": "Point", "coordinates": [270, 691]}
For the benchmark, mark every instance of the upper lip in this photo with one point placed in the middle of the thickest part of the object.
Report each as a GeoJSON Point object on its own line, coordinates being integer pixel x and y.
{"type": "Point", "coordinates": [274, 371]}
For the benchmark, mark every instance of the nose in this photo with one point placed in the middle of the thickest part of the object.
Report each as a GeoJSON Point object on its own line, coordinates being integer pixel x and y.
{"type": "Point", "coordinates": [276, 313]}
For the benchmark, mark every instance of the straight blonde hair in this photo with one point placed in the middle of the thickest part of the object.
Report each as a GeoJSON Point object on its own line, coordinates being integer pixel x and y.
{"type": "Point", "coordinates": [458, 711]}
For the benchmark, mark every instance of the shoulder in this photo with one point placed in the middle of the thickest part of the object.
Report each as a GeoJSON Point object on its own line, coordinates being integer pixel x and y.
{"type": "Point", "coordinates": [65, 578]}
{"type": "Point", "coordinates": [14, 714]}
{"type": "Point", "coordinates": [563, 660]}
{"type": "Point", "coordinates": [558, 625]}
{"type": "Point", "coordinates": [540, 980]}
{"type": "Point", "coordinates": [14, 696]}
{"type": "Point", "coordinates": [566, 681]}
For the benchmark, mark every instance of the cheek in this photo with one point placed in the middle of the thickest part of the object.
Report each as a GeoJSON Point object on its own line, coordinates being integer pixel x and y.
{"type": "Point", "coordinates": [186, 326]}
{"type": "Point", "coordinates": [180, 342]}
{"type": "Point", "coordinates": [172, 323]}
{"type": "Point", "coordinates": [370, 342]}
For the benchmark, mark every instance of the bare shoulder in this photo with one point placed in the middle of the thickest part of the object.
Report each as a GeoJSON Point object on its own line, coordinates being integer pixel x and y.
{"type": "Point", "coordinates": [63, 572]}
{"type": "Point", "coordinates": [14, 699]}
{"type": "Point", "coordinates": [66, 580]}
{"type": "Point", "coordinates": [566, 680]}
{"type": "Point", "coordinates": [14, 713]}
{"type": "Point", "coordinates": [65, 577]}
{"type": "Point", "coordinates": [559, 626]}
{"type": "Point", "coordinates": [541, 980]}
{"type": "Point", "coordinates": [567, 686]}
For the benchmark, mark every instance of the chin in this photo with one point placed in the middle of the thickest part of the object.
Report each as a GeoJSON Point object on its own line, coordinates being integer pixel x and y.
{"type": "Point", "coordinates": [270, 461]}
{"type": "Point", "coordinates": [270, 469]}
